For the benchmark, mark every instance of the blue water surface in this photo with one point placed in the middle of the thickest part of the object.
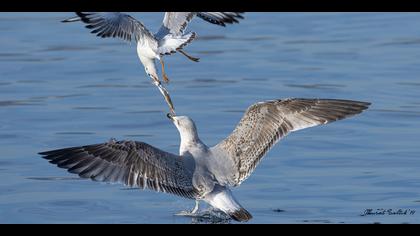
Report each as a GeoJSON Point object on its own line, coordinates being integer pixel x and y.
{"type": "Point", "coordinates": [61, 86]}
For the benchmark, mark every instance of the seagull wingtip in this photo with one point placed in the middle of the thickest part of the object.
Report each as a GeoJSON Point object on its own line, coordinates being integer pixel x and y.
{"type": "Point", "coordinates": [42, 153]}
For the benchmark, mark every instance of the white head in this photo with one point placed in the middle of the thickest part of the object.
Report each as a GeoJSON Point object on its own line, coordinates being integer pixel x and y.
{"type": "Point", "coordinates": [186, 128]}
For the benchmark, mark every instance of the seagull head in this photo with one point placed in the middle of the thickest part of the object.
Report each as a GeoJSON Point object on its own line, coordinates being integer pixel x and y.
{"type": "Point", "coordinates": [185, 126]}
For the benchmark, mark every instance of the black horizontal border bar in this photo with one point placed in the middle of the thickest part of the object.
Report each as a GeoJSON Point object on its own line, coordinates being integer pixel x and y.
{"type": "Point", "coordinates": [213, 5]}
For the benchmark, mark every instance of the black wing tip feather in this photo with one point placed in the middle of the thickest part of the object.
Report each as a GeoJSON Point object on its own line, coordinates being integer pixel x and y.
{"type": "Point", "coordinates": [73, 159]}
{"type": "Point", "coordinates": [82, 15]}
{"type": "Point", "coordinates": [60, 151]}
{"type": "Point", "coordinates": [56, 152]}
{"type": "Point", "coordinates": [351, 107]}
{"type": "Point", "coordinates": [329, 101]}
{"type": "Point", "coordinates": [346, 108]}
{"type": "Point", "coordinates": [336, 109]}
{"type": "Point", "coordinates": [69, 20]}
{"type": "Point", "coordinates": [91, 162]}
{"type": "Point", "coordinates": [227, 18]}
{"type": "Point", "coordinates": [74, 19]}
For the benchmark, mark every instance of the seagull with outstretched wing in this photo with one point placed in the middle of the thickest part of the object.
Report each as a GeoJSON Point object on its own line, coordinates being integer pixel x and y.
{"type": "Point", "coordinates": [170, 38]}
{"type": "Point", "coordinates": [200, 172]}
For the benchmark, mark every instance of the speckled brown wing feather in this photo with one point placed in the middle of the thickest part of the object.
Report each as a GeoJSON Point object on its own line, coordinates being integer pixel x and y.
{"type": "Point", "coordinates": [267, 122]}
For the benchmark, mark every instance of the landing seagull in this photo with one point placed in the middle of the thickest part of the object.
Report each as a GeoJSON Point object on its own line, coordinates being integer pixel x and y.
{"type": "Point", "coordinates": [200, 172]}
{"type": "Point", "coordinates": [169, 39]}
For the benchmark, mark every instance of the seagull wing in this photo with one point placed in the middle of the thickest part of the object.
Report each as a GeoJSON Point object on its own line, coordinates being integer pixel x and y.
{"type": "Point", "coordinates": [175, 23]}
{"type": "Point", "coordinates": [221, 18]}
{"type": "Point", "coordinates": [114, 24]}
{"type": "Point", "coordinates": [265, 123]}
{"type": "Point", "coordinates": [135, 164]}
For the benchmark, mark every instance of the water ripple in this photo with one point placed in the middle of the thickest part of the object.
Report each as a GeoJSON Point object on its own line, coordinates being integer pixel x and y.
{"type": "Point", "coordinates": [409, 83]}
{"type": "Point", "coordinates": [53, 178]}
{"type": "Point", "coordinates": [12, 54]}
{"type": "Point", "coordinates": [316, 41]}
{"type": "Point", "coordinates": [64, 48]}
{"type": "Point", "coordinates": [144, 112]}
{"type": "Point", "coordinates": [397, 42]}
{"type": "Point", "coordinates": [316, 86]}
{"type": "Point", "coordinates": [105, 86]}
{"type": "Point", "coordinates": [74, 133]}
{"type": "Point", "coordinates": [92, 108]}
{"type": "Point", "coordinates": [138, 135]}
{"type": "Point", "coordinates": [397, 112]}
{"type": "Point", "coordinates": [211, 37]}
{"type": "Point", "coordinates": [19, 103]}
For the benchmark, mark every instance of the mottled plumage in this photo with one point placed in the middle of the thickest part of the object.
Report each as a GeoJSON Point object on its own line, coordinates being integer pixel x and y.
{"type": "Point", "coordinates": [201, 172]}
{"type": "Point", "coordinates": [263, 124]}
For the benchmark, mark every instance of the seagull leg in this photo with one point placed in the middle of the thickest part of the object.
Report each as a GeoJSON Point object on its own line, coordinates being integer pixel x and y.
{"type": "Point", "coordinates": [196, 207]}
{"type": "Point", "coordinates": [165, 78]}
{"type": "Point", "coordinates": [165, 94]}
{"type": "Point", "coordinates": [195, 59]}
{"type": "Point", "coordinates": [193, 212]}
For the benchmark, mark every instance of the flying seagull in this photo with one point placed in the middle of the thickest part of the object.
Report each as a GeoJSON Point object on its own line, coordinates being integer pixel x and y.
{"type": "Point", "coordinates": [170, 38]}
{"type": "Point", "coordinates": [201, 172]}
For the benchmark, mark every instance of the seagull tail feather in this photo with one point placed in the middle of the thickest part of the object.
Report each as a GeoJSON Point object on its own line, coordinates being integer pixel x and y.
{"type": "Point", "coordinates": [172, 43]}
{"type": "Point", "coordinates": [222, 199]}
{"type": "Point", "coordinates": [240, 215]}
